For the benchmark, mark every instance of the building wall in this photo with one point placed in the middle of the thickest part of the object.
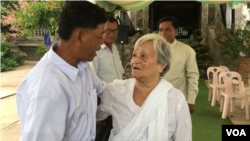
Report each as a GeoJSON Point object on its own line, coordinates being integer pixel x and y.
{"type": "Point", "coordinates": [30, 46]}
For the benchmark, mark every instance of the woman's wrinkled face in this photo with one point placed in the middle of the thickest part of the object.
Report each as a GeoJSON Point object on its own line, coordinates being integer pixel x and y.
{"type": "Point", "coordinates": [144, 62]}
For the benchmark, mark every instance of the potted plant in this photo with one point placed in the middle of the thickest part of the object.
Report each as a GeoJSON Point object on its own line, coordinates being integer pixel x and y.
{"type": "Point", "coordinates": [203, 60]}
{"type": "Point", "coordinates": [198, 38]}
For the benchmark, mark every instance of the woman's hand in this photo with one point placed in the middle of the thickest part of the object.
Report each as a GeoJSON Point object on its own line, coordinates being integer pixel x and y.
{"type": "Point", "coordinates": [101, 122]}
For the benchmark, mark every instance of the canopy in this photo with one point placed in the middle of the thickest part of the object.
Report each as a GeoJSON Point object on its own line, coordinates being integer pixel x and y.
{"type": "Point", "coordinates": [207, 2]}
{"type": "Point", "coordinates": [123, 2]}
{"type": "Point", "coordinates": [221, 1]}
{"type": "Point", "coordinates": [127, 5]}
{"type": "Point", "coordinates": [237, 4]}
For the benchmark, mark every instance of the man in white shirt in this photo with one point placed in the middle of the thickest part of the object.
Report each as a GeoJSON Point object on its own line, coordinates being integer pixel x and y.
{"type": "Point", "coordinates": [183, 73]}
{"type": "Point", "coordinates": [107, 65]}
{"type": "Point", "coordinates": [57, 100]}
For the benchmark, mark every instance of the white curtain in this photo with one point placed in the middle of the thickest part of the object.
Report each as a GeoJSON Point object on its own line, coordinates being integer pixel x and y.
{"type": "Point", "coordinates": [228, 17]}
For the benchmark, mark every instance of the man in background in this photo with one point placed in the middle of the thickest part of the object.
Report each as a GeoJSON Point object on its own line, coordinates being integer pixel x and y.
{"type": "Point", "coordinates": [183, 73]}
{"type": "Point", "coordinates": [107, 65]}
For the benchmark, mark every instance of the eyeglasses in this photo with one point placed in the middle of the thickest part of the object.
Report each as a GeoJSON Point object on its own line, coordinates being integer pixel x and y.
{"type": "Point", "coordinates": [108, 31]}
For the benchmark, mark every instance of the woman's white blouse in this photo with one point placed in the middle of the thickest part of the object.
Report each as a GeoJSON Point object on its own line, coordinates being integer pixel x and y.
{"type": "Point", "coordinates": [118, 102]}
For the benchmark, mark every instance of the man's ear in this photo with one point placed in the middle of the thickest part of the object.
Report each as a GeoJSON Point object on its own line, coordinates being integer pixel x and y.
{"type": "Point", "coordinates": [176, 32]}
{"type": "Point", "coordinates": [78, 34]}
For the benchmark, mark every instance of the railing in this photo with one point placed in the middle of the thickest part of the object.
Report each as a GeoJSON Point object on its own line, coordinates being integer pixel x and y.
{"type": "Point", "coordinates": [38, 33]}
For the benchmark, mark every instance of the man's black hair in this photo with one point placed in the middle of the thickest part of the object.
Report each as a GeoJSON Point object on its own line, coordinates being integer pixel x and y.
{"type": "Point", "coordinates": [175, 22]}
{"type": "Point", "coordinates": [79, 14]}
{"type": "Point", "coordinates": [111, 19]}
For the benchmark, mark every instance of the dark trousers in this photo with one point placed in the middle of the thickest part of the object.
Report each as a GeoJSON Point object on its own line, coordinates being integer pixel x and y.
{"type": "Point", "coordinates": [103, 132]}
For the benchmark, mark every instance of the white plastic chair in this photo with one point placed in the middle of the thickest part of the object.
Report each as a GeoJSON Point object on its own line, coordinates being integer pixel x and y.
{"type": "Point", "coordinates": [247, 92]}
{"type": "Point", "coordinates": [214, 86]}
{"type": "Point", "coordinates": [235, 82]}
{"type": "Point", "coordinates": [229, 93]}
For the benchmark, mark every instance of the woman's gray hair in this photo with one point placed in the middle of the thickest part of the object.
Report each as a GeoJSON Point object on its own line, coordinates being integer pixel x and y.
{"type": "Point", "coordinates": [161, 48]}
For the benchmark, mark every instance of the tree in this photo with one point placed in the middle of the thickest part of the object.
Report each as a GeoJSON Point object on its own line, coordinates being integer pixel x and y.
{"type": "Point", "coordinates": [24, 17]}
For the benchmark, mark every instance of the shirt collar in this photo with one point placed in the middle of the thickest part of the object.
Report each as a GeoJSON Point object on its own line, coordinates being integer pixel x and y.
{"type": "Point", "coordinates": [174, 43]}
{"type": "Point", "coordinates": [103, 46]}
{"type": "Point", "coordinates": [66, 68]}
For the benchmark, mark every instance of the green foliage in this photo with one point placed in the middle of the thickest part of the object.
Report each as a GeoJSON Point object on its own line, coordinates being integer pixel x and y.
{"type": "Point", "coordinates": [203, 57]}
{"type": "Point", "coordinates": [8, 63]}
{"type": "Point", "coordinates": [31, 15]}
{"type": "Point", "coordinates": [8, 3]}
{"type": "Point", "coordinates": [41, 50]}
{"type": "Point", "coordinates": [41, 17]}
{"type": "Point", "coordinates": [201, 50]}
{"type": "Point", "coordinates": [206, 66]}
{"type": "Point", "coordinates": [198, 39]}
{"type": "Point", "coordinates": [8, 58]}
{"type": "Point", "coordinates": [189, 42]}
{"type": "Point", "coordinates": [1, 55]}
{"type": "Point", "coordinates": [4, 49]}
{"type": "Point", "coordinates": [203, 67]}
{"type": "Point", "coordinates": [234, 41]}
{"type": "Point", "coordinates": [5, 29]}
{"type": "Point", "coordinates": [197, 32]}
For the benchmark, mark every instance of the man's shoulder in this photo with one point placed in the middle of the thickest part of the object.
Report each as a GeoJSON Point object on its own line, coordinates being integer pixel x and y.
{"type": "Point", "coordinates": [185, 47]}
{"type": "Point", "coordinates": [114, 45]}
{"type": "Point", "coordinates": [44, 80]}
{"type": "Point", "coordinates": [43, 68]}
{"type": "Point", "coordinates": [101, 51]}
{"type": "Point", "coordinates": [182, 44]}
{"type": "Point", "coordinates": [45, 73]}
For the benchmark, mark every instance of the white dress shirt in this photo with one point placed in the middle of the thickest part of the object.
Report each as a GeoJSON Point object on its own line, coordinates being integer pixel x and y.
{"type": "Point", "coordinates": [107, 64]}
{"type": "Point", "coordinates": [118, 101]}
{"type": "Point", "coordinates": [58, 102]}
{"type": "Point", "coordinates": [183, 73]}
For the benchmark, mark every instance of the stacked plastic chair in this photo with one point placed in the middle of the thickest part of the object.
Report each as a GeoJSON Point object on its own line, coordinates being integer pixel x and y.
{"type": "Point", "coordinates": [231, 93]}
{"type": "Point", "coordinates": [214, 87]}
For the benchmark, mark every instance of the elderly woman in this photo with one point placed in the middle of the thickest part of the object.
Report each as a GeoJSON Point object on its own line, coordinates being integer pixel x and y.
{"type": "Point", "coordinates": [147, 107]}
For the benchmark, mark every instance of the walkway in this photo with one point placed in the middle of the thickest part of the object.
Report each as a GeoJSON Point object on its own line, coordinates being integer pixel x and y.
{"type": "Point", "coordinates": [10, 80]}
